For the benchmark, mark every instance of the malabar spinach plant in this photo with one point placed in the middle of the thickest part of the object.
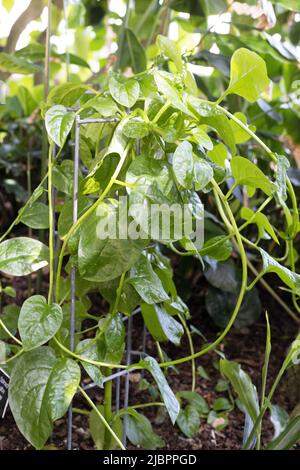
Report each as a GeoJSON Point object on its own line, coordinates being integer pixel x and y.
{"type": "Point", "coordinates": [162, 145]}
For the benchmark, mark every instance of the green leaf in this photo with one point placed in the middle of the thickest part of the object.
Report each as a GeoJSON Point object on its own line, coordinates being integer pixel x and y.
{"type": "Point", "coordinates": [21, 256]}
{"type": "Point", "coordinates": [13, 64]}
{"type": "Point", "coordinates": [65, 220]}
{"type": "Point", "coordinates": [170, 50]}
{"type": "Point", "coordinates": [270, 265]}
{"type": "Point", "coordinates": [248, 174]}
{"type": "Point", "coordinates": [66, 94]}
{"type": "Point", "coordinates": [222, 404]}
{"type": "Point", "coordinates": [242, 385]}
{"type": "Point", "coordinates": [289, 436]}
{"type": "Point", "coordinates": [218, 155]}
{"type": "Point", "coordinates": [279, 418]}
{"type": "Point", "coordinates": [261, 221]}
{"type": "Point", "coordinates": [203, 173]}
{"type": "Point", "coordinates": [10, 319]}
{"type": "Point", "coordinates": [115, 338]}
{"type": "Point", "coordinates": [136, 128]}
{"type": "Point", "coordinates": [281, 176]}
{"type": "Point", "coordinates": [188, 421]}
{"type": "Point", "coordinates": [200, 137]}
{"type": "Point", "coordinates": [59, 123]}
{"type": "Point", "coordinates": [222, 275]}
{"type": "Point", "coordinates": [140, 432]}
{"type": "Point", "coordinates": [130, 52]}
{"type": "Point", "coordinates": [8, 4]}
{"type": "Point", "coordinates": [95, 351]}
{"type": "Point", "coordinates": [220, 305]}
{"type": "Point", "coordinates": [240, 135]}
{"type": "Point", "coordinates": [38, 321]}
{"type": "Point", "coordinates": [102, 259]}
{"type": "Point", "coordinates": [104, 105]}
{"type": "Point", "coordinates": [168, 396]}
{"type": "Point", "coordinates": [196, 401]}
{"type": "Point", "coordinates": [129, 299]}
{"type": "Point", "coordinates": [124, 90]}
{"type": "Point", "coordinates": [165, 85]}
{"type": "Point", "coordinates": [161, 324]}
{"type": "Point", "coordinates": [97, 429]}
{"type": "Point", "coordinates": [217, 247]}
{"type": "Point", "coordinates": [248, 75]}
{"type": "Point", "coordinates": [146, 282]}
{"type": "Point", "coordinates": [183, 164]}
{"type": "Point", "coordinates": [36, 216]}
{"type": "Point", "coordinates": [41, 389]}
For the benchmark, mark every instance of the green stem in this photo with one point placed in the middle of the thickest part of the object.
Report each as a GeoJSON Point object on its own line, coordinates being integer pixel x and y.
{"type": "Point", "coordinates": [51, 226]}
{"type": "Point", "coordinates": [13, 357]}
{"type": "Point", "coordinates": [9, 333]}
{"type": "Point", "coordinates": [160, 112]}
{"type": "Point", "coordinates": [84, 217]}
{"type": "Point", "coordinates": [192, 350]}
{"type": "Point", "coordinates": [102, 419]}
{"type": "Point", "coordinates": [107, 411]}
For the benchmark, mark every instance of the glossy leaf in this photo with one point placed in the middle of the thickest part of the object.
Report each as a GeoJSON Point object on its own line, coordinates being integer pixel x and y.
{"type": "Point", "coordinates": [21, 256]}
{"type": "Point", "coordinates": [261, 221]}
{"type": "Point", "coordinates": [104, 105]}
{"type": "Point", "coordinates": [203, 174]}
{"type": "Point", "coordinates": [288, 437]}
{"type": "Point", "coordinates": [115, 338]}
{"type": "Point", "coordinates": [38, 321]}
{"type": "Point", "coordinates": [95, 351]}
{"type": "Point", "coordinates": [279, 418]}
{"type": "Point", "coordinates": [136, 128]}
{"type": "Point", "coordinates": [168, 396]}
{"type": "Point", "coordinates": [97, 429]}
{"type": "Point", "coordinates": [161, 324]}
{"type": "Point", "coordinates": [188, 421]}
{"type": "Point", "coordinates": [59, 123]}
{"type": "Point", "coordinates": [41, 389]}
{"type": "Point", "coordinates": [146, 282]}
{"type": "Point", "coordinates": [270, 265]}
{"type": "Point", "coordinates": [170, 50]}
{"type": "Point", "coordinates": [196, 401]}
{"type": "Point", "coordinates": [124, 91]}
{"type": "Point", "coordinates": [66, 94]}
{"type": "Point", "coordinates": [36, 216]}
{"type": "Point", "coordinates": [183, 164]}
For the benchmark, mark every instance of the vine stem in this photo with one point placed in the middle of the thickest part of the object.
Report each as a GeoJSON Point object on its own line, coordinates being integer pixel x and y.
{"type": "Point", "coordinates": [191, 345]}
{"type": "Point", "coordinates": [84, 217]}
{"type": "Point", "coordinates": [9, 333]}
{"type": "Point", "coordinates": [231, 224]}
{"type": "Point", "coordinates": [51, 225]}
{"type": "Point", "coordinates": [101, 417]}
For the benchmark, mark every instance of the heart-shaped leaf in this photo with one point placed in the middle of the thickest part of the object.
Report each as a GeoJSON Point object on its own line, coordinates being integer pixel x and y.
{"type": "Point", "coordinates": [21, 256]}
{"type": "Point", "coordinates": [124, 91]}
{"type": "Point", "coordinates": [38, 321]}
{"type": "Point", "coordinates": [59, 123]}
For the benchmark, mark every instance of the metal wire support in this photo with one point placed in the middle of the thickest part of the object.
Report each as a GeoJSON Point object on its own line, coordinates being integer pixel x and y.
{"type": "Point", "coordinates": [53, 205]}
{"type": "Point", "coordinates": [73, 272]}
{"type": "Point", "coordinates": [127, 382]}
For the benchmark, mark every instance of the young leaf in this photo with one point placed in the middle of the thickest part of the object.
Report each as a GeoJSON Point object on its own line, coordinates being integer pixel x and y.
{"type": "Point", "coordinates": [170, 50]}
{"type": "Point", "coordinates": [270, 265]}
{"type": "Point", "coordinates": [183, 164]}
{"type": "Point", "coordinates": [242, 385]}
{"type": "Point", "coordinates": [168, 396]}
{"type": "Point", "coordinates": [248, 75]}
{"type": "Point", "coordinates": [59, 123]}
{"type": "Point", "coordinates": [41, 389]}
{"type": "Point", "coordinates": [130, 52]}
{"type": "Point", "coordinates": [248, 174]}
{"type": "Point", "coordinates": [21, 256]}
{"type": "Point", "coordinates": [38, 321]}
{"type": "Point", "coordinates": [261, 221]}
{"type": "Point", "coordinates": [36, 216]}
{"type": "Point", "coordinates": [166, 87]}
{"type": "Point", "coordinates": [218, 248]}
{"type": "Point", "coordinates": [140, 432]}
{"type": "Point", "coordinates": [104, 105]}
{"type": "Point", "coordinates": [124, 90]}
{"type": "Point", "coordinates": [161, 324]}
{"type": "Point", "coordinates": [188, 421]}
{"type": "Point", "coordinates": [146, 282]}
